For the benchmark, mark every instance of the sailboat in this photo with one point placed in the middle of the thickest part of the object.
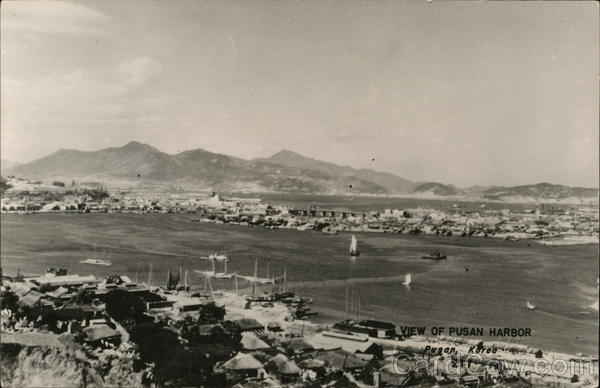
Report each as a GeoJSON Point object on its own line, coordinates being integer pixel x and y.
{"type": "Point", "coordinates": [354, 247]}
{"type": "Point", "coordinates": [407, 280]}
{"type": "Point", "coordinates": [224, 274]}
{"type": "Point", "coordinates": [96, 261]}
{"type": "Point", "coordinates": [530, 306]}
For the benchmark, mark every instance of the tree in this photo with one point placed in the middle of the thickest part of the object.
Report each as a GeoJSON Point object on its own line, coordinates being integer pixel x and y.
{"type": "Point", "coordinates": [211, 313]}
{"type": "Point", "coordinates": [123, 306]}
{"type": "Point", "coordinates": [83, 297]}
{"type": "Point", "coordinates": [9, 300]}
{"type": "Point", "coordinates": [4, 185]}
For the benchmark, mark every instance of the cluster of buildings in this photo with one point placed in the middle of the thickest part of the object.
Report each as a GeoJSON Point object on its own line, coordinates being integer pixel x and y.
{"type": "Point", "coordinates": [258, 341]}
{"type": "Point", "coordinates": [536, 223]}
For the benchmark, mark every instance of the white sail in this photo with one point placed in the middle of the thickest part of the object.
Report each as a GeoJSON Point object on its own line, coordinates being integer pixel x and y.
{"type": "Point", "coordinates": [353, 245]}
{"type": "Point", "coordinates": [530, 306]}
{"type": "Point", "coordinates": [407, 280]}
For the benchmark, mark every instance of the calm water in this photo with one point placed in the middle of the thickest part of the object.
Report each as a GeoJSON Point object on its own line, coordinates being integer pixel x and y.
{"type": "Point", "coordinates": [484, 282]}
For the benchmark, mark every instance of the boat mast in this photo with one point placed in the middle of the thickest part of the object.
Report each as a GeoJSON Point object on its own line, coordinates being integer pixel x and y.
{"type": "Point", "coordinates": [255, 276]}
{"type": "Point", "coordinates": [137, 273]}
{"type": "Point", "coordinates": [150, 275]}
{"type": "Point", "coordinates": [346, 317]}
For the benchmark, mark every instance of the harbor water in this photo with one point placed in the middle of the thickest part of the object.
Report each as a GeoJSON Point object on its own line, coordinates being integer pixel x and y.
{"type": "Point", "coordinates": [484, 282]}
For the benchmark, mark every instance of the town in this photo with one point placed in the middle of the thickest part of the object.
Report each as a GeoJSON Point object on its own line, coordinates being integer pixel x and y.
{"type": "Point", "coordinates": [122, 332]}
{"type": "Point", "coordinates": [550, 224]}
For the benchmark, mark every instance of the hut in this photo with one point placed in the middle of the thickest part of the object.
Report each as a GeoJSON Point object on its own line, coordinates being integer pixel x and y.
{"type": "Point", "coordinates": [316, 366]}
{"type": "Point", "coordinates": [101, 335]}
{"type": "Point", "coordinates": [249, 324]}
{"type": "Point", "coordinates": [251, 342]}
{"type": "Point", "coordinates": [341, 360]}
{"type": "Point", "coordinates": [242, 366]}
{"type": "Point", "coordinates": [298, 346]}
{"type": "Point", "coordinates": [289, 371]}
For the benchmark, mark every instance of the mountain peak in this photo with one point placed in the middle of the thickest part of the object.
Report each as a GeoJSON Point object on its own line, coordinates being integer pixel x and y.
{"type": "Point", "coordinates": [287, 153]}
{"type": "Point", "coordinates": [135, 144]}
{"type": "Point", "coordinates": [138, 146]}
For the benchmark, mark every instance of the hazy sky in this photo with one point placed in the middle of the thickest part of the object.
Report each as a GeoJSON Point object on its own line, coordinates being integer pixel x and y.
{"type": "Point", "coordinates": [458, 92]}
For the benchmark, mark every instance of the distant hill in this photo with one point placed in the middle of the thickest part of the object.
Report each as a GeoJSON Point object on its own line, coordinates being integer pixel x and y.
{"type": "Point", "coordinates": [434, 188]}
{"type": "Point", "coordinates": [140, 165]}
{"type": "Point", "coordinates": [6, 165]}
{"type": "Point", "coordinates": [541, 191]}
{"type": "Point", "coordinates": [389, 182]}
{"type": "Point", "coordinates": [143, 165]}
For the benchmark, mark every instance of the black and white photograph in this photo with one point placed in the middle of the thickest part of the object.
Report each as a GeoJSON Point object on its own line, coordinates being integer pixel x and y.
{"type": "Point", "coordinates": [299, 193]}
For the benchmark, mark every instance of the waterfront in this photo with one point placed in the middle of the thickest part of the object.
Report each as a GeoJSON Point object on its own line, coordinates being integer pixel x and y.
{"type": "Point", "coordinates": [484, 283]}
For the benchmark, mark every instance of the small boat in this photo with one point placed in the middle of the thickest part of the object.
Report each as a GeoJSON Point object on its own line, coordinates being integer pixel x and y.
{"type": "Point", "coordinates": [218, 257]}
{"type": "Point", "coordinates": [407, 280]}
{"type": "Point", "coordinates": [354, 247]}
{"type": "Point", "coordinates": [96, 262]}
{"type": "Point", "coordinates": [435, 256]}
{"type": "Point", "coordinates": [530, 306]}
{"type": "Point", "coordinates": [51, 272]}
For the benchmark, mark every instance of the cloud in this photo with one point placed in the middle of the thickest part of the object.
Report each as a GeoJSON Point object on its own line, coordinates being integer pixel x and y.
{"type": "Point", "coordinates": [53, 17]}
{"type": "Point", "coordinates": [82, 98]}
{"type": "Point", "coordinates": [140, 70]}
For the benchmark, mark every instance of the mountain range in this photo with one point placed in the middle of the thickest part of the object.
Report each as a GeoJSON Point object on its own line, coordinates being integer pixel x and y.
{"type": "Point", "coordinates": [140, 165]}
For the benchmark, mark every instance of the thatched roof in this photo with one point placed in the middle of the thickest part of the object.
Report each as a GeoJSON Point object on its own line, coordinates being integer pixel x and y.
{"type": "Point", "coordinates": [95, 333]}
{"type": "Point", "coordinates": [311, 363]}
{"type": "Point", "coordinates": [243, 362]}
{"type": "Point", "coordinates": [298, 345]}
{"type": "Point", "coordinates": [278, 360]}
{"type": "Point", "coordinates": [250, 341]}
{"type": "Point", "coordinates": [340, 359]}
{"type": "Point", "coordinates": [290, 368]}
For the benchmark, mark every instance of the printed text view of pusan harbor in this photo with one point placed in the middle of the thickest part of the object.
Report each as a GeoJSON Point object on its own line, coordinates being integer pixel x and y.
{"type": "Point", "coordinates": [289, 194]}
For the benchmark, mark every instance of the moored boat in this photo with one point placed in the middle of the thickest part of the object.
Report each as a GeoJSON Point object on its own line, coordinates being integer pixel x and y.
{"type": "Point", "coordinates": [96, 262]}
{"type": "Point", "coordinates": [435, 256]}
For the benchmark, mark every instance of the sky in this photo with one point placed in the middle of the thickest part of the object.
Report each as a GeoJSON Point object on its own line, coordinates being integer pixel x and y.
{"type": "Point", "coordinates": [489, 93]}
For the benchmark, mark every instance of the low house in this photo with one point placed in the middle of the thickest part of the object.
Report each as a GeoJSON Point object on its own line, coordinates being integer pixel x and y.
{"type": "Point", "coordinates": [251, 342]}
{"type": "Point", "coordinates": [383, 329]}
{"type": "Point", "coordinates": [249, 324]}
{"type": "Point", "coordinates": [243, 366]}
{"type": "Point", "coordinates": [101, 335]}
{"type": "Point", "coordinates": [341, 360]}
{"type": "Point", "coordinates": [311, 364]}
{"type": "Point", "coordinates": [79, 312]}
{"type": "Point", "coordinates": [326, 341]}
{"type": "Point", "coordinates": [66, 280]}
{"type": "Point", "coordinates": [286, 369]}
{"type": "Point", "coordinates": [298, 346]}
